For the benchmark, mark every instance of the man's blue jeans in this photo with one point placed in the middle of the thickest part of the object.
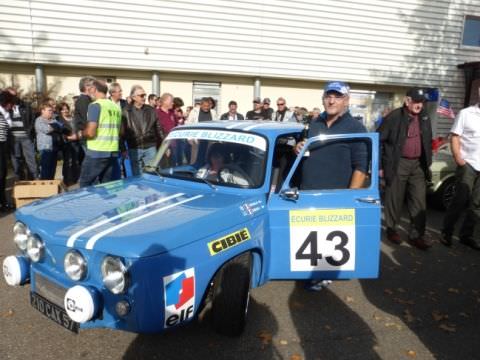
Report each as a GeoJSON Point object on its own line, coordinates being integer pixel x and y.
{"type": "Point", "coordinates": [141, 157]}
{"type": "Point", "coordinates": [97, 169]}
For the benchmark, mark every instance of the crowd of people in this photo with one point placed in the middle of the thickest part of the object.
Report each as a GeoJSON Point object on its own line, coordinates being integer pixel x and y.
{"type": "Point", "coordinates": [34, 136]}
{"type": "Point", "coordinates": [105, 128]}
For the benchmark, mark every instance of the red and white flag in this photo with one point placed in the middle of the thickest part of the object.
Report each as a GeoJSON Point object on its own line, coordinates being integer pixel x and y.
{"type": "Point", "coordinates": [445, 109]}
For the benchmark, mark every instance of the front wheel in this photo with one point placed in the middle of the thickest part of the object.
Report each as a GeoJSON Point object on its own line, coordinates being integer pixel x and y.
{"type": "Point", "coordinates": [231, 293]}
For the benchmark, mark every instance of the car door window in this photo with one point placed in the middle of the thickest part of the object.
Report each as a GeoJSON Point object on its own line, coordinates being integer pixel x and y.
{"type": "Point", "coordinates": [283, 159]}
{"type": "Point", "coordinates": [329, 165]}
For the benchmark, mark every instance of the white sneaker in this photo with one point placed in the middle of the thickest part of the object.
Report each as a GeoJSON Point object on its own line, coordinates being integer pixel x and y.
{"type": "Point", "coordinates": [317, 285]}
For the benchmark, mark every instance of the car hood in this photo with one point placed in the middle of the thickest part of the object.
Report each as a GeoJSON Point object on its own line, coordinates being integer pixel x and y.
{"type": "Point", "coordinates": [139, 217]}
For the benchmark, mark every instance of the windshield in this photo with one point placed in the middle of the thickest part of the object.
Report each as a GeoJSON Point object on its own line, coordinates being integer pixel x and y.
{"type": "Point", "coordinates": [217, 157]}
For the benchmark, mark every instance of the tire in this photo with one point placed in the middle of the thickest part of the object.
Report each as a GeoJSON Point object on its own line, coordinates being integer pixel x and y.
{"type": "Point", "coordinates": [231, 293]}
{"type": "Point", "coordinates": [444, 195]}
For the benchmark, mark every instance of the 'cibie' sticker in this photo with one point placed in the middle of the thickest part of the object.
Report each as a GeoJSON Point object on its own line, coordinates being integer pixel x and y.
{"type": "Point", "coordinates": [228, 241]}
{"type": "Point", "coordinates": [322, 240]}
{"type": "Point", "coordinates": [179, 294]}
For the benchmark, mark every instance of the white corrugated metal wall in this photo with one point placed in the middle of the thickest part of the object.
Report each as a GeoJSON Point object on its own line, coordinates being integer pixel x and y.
{"type": "Point", "coordinates": [409, 42]}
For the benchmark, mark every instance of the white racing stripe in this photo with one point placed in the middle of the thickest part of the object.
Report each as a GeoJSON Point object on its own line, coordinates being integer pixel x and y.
{"type": "Point", "coordinates": [91, 242]}
{"type": "Point", "coordinates": [252, 127]}
{"type": "Point", "coordinates": [75, 236]}
{"type": "Point", "coordinates": [234, 125]}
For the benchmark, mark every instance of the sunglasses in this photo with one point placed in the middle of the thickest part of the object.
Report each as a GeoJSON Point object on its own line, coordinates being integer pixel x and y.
{"type": "Point", "coordinates": [280, 104]}
{"type": "Point", "coordinates": [141, 95]}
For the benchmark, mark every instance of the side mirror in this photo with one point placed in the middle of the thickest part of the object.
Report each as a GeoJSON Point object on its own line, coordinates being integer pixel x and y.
{"type": "Point", "coordinates": [289, 194]}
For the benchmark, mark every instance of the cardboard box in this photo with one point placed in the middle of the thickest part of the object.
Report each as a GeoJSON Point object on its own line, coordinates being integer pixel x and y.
{"type": "Point", "coordinates": [25, 192]}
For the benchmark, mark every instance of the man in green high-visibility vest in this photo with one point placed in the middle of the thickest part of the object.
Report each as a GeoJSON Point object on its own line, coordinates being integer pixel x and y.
{"type": "Point", "coordinates": [102, 134]}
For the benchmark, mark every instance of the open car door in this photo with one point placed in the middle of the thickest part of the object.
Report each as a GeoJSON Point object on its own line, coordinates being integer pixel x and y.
{"type": "Point", "coordinates": [326, 234]}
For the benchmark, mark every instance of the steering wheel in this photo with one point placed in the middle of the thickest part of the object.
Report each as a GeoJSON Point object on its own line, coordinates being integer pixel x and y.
{"type": "Point", "coordinates": [243, 178]}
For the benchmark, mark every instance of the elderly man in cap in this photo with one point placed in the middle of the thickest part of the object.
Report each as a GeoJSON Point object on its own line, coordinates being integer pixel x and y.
{"type": "Point", "coordinates": [406, 156]}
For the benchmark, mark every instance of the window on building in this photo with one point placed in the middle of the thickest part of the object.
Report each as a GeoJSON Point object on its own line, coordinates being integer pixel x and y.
{"type": "Point", "coordinates": [471, 31]}
{"type": "Point", "coordinates": [207, 89]}
{"type": "Point", "coordinates": [382, 105]}
{"type": "Point", "coordinates": [369, 107]}
{"type": "Point", "coordinates": [360, 105]}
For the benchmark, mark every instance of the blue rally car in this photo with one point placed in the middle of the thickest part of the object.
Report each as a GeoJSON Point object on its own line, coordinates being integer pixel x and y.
{"type": "Point", "coordinates": [219, 211]}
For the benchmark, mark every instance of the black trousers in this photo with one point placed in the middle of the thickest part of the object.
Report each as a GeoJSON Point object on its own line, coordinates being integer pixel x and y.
{"type": "Point", "coordinates": [3, 170]}
{"type": "Point", "coordinates": [409, 184]}
{"type": "Point", "coordinates": [467, 197]}
{"type": "Point", "coordinates": [71, 163]}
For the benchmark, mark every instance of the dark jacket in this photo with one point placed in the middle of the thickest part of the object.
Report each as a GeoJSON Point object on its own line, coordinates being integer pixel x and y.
{"type": "Point", "coordinates": [225, 116]}
{"type": "Point", "coordinates": [28, 118]}
{"type": "Point", "coordinates": [331, 166]}
{"type": "Point", "coordinates": [80, 112]}
{"type": "Point", "coordinates": [393, 133]}
{"type": "Point", "coordinates": [140, 133]}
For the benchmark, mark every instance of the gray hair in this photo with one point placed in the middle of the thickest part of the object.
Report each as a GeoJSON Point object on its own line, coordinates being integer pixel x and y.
{"type": "Point", "coordinates": [113, 86]}
{"type": "Point", "coordinates": [135, 88]}
{"type": "Point", "coordinates": [84, 82]}
{"type": "Point", "coordinates": [165, 96]}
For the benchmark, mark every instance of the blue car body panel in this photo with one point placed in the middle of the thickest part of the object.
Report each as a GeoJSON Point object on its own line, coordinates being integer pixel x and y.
{"type": "Point", "coordinates": [174, 235]}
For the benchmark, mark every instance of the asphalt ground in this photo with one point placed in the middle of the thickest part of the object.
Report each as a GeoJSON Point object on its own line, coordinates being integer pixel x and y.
{"type": "Point", "coordinates": [425, 305]}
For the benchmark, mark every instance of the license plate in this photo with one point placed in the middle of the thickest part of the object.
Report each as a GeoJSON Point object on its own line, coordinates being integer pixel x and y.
{"type": "Point", "coordinates": [53, 312]}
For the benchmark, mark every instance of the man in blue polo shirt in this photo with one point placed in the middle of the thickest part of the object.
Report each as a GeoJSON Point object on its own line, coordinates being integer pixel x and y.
{"type": "Point", "coordinates": [339, 165]}
{"type": "Point", "coordinates": [342, 164]}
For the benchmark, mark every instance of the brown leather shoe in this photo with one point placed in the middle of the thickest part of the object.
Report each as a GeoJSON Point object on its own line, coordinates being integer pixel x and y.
{"type": "Point", "coordinates": [420, 243]}
{"type": "Point", "coordinates": [394, 237]}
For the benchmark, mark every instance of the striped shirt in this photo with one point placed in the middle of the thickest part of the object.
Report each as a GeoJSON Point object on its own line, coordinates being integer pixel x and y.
{"type": "Point", "coordinates": [4, 124]}
{"type": "Point", "coordinates": [18, 127]}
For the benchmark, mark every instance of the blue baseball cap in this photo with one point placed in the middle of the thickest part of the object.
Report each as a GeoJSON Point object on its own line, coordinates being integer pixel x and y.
{"type": "Point", "coordinates": [337, 86]}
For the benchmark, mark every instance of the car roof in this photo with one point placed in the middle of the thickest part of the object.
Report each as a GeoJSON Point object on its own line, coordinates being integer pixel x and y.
{"type": "Point", "coordinates": [266, 128]}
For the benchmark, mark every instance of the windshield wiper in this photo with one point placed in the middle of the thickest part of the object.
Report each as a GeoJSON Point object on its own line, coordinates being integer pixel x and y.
{"type": "Point", "coordinates": [152, 170]}
{"type": "Point", "coordinates": [155, 169]}
{"type": "Point", "coordinates": [183, 171]}
{"type": "Point", "coordinates": [193, 172]}
{"type": "Point", "coordinates": [207, 182]}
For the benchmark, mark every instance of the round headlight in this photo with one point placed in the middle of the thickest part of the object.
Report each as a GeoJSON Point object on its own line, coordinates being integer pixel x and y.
{"type": "Point", "coordinates": [20, 235]}
{"type": "Point", "coordinates": [114, 274]}
{"type": "Point", "coordinates": [35, 248]}
{"type": "Point", "coordinates": [75, 265]}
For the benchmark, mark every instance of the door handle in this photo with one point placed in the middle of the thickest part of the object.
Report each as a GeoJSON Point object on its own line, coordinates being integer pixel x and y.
{"type": "Point", "coordinates": [369, 200]}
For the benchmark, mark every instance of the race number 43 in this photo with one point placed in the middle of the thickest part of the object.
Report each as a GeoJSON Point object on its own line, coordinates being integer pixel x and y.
{"type": "Point", "coordinates": [322, 240]}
